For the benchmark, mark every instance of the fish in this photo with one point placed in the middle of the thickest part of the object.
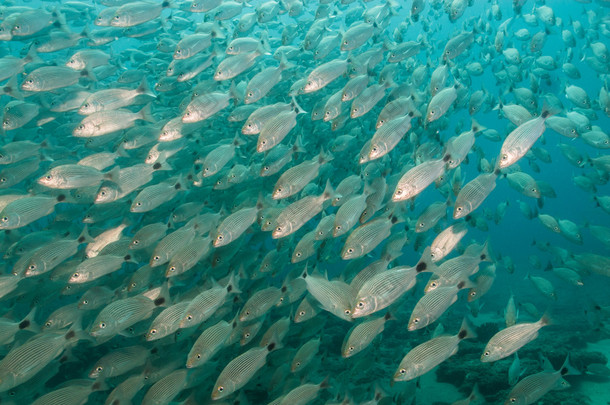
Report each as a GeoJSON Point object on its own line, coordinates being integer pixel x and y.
{"type": "Point", "coordinates": [426, 356]}
{"type": "Point", "coordinates": [509, 340]}
{"type": "Point", "coordinates": [241, 369]}
{"type": "Point", "coordinates": [534, 386]}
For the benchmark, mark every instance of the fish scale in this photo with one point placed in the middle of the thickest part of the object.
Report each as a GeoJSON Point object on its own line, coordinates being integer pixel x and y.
{"type": "Point", "coordinates": [366, 237]}
{"type": "Point", "coordinates": [362, 335]}
{"type": "Point", "coordinates": [259, 303]}
{"type": "Point", "coordinates": [428, 355]}
{"type": "Point", "coordinates": [188, 256]}
{"type": "Point", "coordinates": [297, 214]}
{"type": "Point", "coordinates": [432, 305]}
{"type": "Point", "coordinates": [509, 340]}
{"type": "Point", "coordinates": [472, 195]}
{"type": "Point", "coordinates": [121, 314]}
{"type": "Point", "coordinates": [417, 179]}
{"type": "Point", "coordinates": [23, 362]}
{"type": "Point", "coordinates": [348, 214]}
{"type": "Point", "coordinates": [335, 296]}
{"type": "Point", "coordinates": [170, 244]}
{"type": "Point", "coordinates": [240, 370]}
{"type": "Point", "coordinates": [208, 343]}
{"type": "Point", "coordinates": [167, 322]}
{"type": "Point", "coordinates": [203, 306]}
{"type": "Point", "coordinates": [164, 390]}
{"type": "Point", "coordinates": [388, 136]}
{"type": "Point", "coordinates": [119, 362]}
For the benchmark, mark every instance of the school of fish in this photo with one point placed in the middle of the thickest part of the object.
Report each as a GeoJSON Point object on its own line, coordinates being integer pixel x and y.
{"type": "Point", "coordinates": [220, 201]}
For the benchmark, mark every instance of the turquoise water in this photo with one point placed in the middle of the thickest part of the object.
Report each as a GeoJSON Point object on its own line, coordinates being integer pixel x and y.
{"type": "Point", "coordinates": [47, 136]}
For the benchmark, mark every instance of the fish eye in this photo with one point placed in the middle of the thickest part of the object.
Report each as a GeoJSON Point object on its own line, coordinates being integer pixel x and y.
{"type": "Point", "coordinates": [85, 302]}
{"type": "Point", "coordinates": [198, 355]}
{"type": "Point", "coordinates": [350, 250]}
{"type": "Point", "coordinates": [220, 388]}
{"type": "Point", "coordinates": [416, 320]}
{"type": "Point", "coordinates": [399, 191]}
{"type": "Point", "coordinates": [32, 267]}
{"type": "Point", "coordinates": [473, 293]}
{"type": "Point", "coordinates": [116, 17]}
{"type": "Point", "coordinates": [504, 156]}
{"type": "Point", "coordinates": [513, 400]}
{"type": "Point", "coordinates": [17, 27]}
{"type": "Point", "coordinates": [279, 229]}
{"type": "Point", "coordinates": [172, 269]}
{"type": "Point", "coordinates": [486, 353]}
{"type": "Point", "coordinates": [298, 254]}
{"type": "Point", "coordinates": [29, 81]}
{"type": "Point", "coordinates": [302, 313]}
{"type": "Point", "coordinates": [459, 209]}
{"type": "Point", "coordinates": [156, 258]}
{"type": "Point", "coordinates": [351, 348]}
{"type": "Point", "coordinates": [402, 371]}
{"type": "Point", "coordinates": [347, 312]}
{"type": "Point", "coordinates": [138, 203]}
{"type": "Point", "coordinates": [153, 331]}
{"type": "Point", "coordinates": [102, 325]}
{"type": "Point", "coordinates": [48, 324]}
{"type": "Point", "coordinates": [189, 317]}
{"type": "Point", "coordinates": [99, 369]}
{"type": "Point", "coordinates": [247, 335]}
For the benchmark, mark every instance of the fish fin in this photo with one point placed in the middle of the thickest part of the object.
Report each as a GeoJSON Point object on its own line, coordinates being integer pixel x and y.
{"type": "Point", "coordinates": [144, 89]}
{"type": "Point", "coordinates": [546, 320]}
{"type": "Point", "coordinates": [425, 264]}
{"type": "Point", "coordinates": [28, 322]}
{"type": "Point", "coordinates": [466, 331]}
{"type": "Point", "coordinates": [297, 107]}
{"type": "Point", "coordinates": [113, 174]}
{"type": "Point", "coordinates": [146, 113]}
{"type": "Point", "coordinates": [84, 236]}
{"type": "Point", "coordinates": [329, 192]}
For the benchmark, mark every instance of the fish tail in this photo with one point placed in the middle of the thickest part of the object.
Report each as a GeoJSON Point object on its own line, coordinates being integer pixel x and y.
{"type": "Point", "coordinates": [144, 89]}
{"type": "Point", "coordinates": [146, 113]}
{"type": "Point", "coordinates": [466, 331]}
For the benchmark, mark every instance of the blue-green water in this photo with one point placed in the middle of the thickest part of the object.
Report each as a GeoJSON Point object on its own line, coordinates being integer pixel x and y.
{"type": "Point", "coordinates": [187, 185]}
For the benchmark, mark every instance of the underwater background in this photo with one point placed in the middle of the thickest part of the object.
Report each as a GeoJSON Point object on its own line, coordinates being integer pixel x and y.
{"type": "Point", "coordinates": [125, 123]}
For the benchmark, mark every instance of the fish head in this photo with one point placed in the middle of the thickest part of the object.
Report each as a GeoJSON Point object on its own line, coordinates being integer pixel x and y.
{"type": "Point", "coordinates": [223, 389]}
{"type": "Point", "coordinates": [404, 373]}
{"type": "Point", "coordinates": [252, 96]}
{"type": "Point", "coordinates": [418, 321]}
{"type": "Point", "coordinates": [120, 20]}
{"type": "Point", "coordinates": [250, 128]}
{"type": "Point", "coordinates": [49, 180]}
{"type": "Point", "coordinates": [84, 129]}
{"type": "Point", "coordinates": [75, 63]}
{"type": "Point", "coordinates": [103, 328]}
{"type": "Point", "coordinates": [312, 85]}
{"type": "Point", "coordinates": [31, 83]}
{"type": "Point", "coordinates": [106, 194]}
{"type": "Point", "coordinates": [461, 209]}
{"type": "Point", "coordinates": [507, 158]}
{"type": "Point", "coordinates": [190, 115]}
{"type": "Point", "coordinates": [79, 277]}
{"type": "Point", "coordinates": [516, 400]}
{"type": "Point", "coordinates": [97, 371]}
{"type": "Point", "coordinates": [491, 353]}
{"type": "Point", "coordinates": [364, 306]}
{"type": "Point", "coordinates": [351, 251]}
{"type": "Point", "coordinates": [180, 53]}
{"type": "Point", "coordinates": [34, 268]}
{"type": "Point", "coordinates": [87, 108]}
{"type": "Point", "coordinates": [377, 150]}
{"type": "Point", "coordinates": [402, 192]}
{"type": "Point", "coordinates": [264, 144]}
{"type": "Point", "coordinates": [433, 284]}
